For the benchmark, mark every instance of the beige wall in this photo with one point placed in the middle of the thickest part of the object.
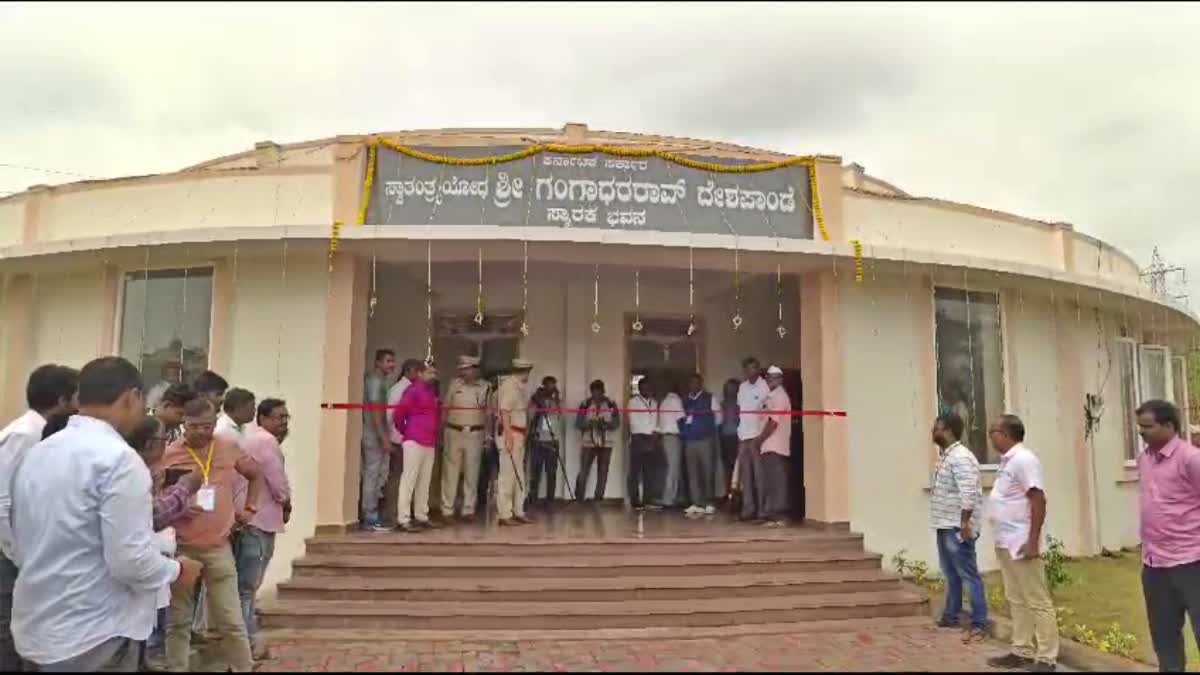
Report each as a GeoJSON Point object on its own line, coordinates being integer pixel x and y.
{"type": "Point", "coordinates": [276, 345]}
{"type": "Point", "coordinates": [12, 217]}
{"type": "Point", "coordinates": [150, 206]}
{"type": "Point", "coordinates": [561, 342]}
{"type": "Point", "coordinates": [1053, 359]}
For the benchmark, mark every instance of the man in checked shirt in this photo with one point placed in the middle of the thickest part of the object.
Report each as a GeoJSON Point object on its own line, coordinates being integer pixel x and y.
{"type": "Point", "coordinates": [954, 509]}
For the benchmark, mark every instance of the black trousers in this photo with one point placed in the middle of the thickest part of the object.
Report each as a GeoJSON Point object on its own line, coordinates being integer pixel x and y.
{"type": "Point", "coordinates": [10, 661]}
{"type": "Point", "coordinates": [1170, 593]}
{"type": "Point", "coordinates": [645, 469]}
{"type": "Point", "coordinates": [587, 457]}
{"type": "Point", "coordinates": [543, 457]}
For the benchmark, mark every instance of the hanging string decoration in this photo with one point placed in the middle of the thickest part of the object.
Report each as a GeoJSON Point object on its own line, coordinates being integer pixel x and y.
{"type": "Point", "coordinates": [479, 293]}
{"type": "Point", "coordinates": [780, 329]}
{"type": "Point", "coordinates": [737, 286]}
{"type": "Point", "coordinates": [691, 328]}
{"type": "Point", "coordinates": [858, 260]}
{"type": "Point", "coordinates": [637, 302]}
{"type": "Point", "coordinates": [525, 288]}
{"type": "Point", "coordinates": [374, 298]}
{"type": "Point", "coordinates": [596, 300]}
{"type": "Point", "coordinates": [428, 302]}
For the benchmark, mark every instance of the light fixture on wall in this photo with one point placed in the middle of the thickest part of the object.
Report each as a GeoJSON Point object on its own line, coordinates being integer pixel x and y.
{"type": "Point", "coordinates": [637, 326]}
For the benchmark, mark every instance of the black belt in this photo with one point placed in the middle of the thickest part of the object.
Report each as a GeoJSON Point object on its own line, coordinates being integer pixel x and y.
{"type": "Point", "coordinates": [466, 429]}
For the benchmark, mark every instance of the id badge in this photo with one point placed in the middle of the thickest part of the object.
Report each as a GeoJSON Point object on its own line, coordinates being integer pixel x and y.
{"type": "Point", "coordinates": [206, 499]}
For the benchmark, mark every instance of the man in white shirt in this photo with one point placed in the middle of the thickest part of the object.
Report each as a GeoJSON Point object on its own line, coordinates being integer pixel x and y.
{"type": "Point", "coordinates": [51, 391]}
{"type": "Point", "coordinates": [90, 567]}
{"type": "Point", "coordinates": [645, 458]}
{"type": "Point", "coordinates": [670, 411]}
{"type": "Point", "coordinates": [1017, 509]}
{"type": "Point", "coordinates": [752, 402]}
{"type": "Point", "coordinates": [956, 500]}
{"type": "Point", "coordinates": [236, 420]}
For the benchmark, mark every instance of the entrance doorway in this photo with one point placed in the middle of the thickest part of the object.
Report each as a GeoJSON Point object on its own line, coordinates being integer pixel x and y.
{"type": "Point", "coordinates": [664, 352]}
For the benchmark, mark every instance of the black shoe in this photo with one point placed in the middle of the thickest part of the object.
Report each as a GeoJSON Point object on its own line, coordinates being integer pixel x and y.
{"type": "Point", "coordinates": [410, 528]}
{"type": "Point", "coordinates": [1010, 662]}
{"type": "Point", "coordinates": [427, 525]}
{"type": "Point", "coordinates": [1041, 667]}
{"type": "Point", "coordinates": [523, 520]}
{"type": "Point", "coordinates": [943, 623]}
{"type": "Point", "coordinates": [508, 522]}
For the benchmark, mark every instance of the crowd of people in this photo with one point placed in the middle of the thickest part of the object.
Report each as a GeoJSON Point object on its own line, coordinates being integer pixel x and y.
{"type": "Point", "coordinates": [1169, 510]}
{"type": "Point", "coordinates": [686, 449]}
{"type": "Point", "coordinates": [130, 530]}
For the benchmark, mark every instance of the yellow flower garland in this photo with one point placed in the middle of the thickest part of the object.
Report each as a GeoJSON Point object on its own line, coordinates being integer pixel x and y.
{"type": "Point", "coordinates": [334, 238]}
{"type": "Point", "coordinates": [616, 151]}
{"type": "Point", "coordinates": [858, 260]}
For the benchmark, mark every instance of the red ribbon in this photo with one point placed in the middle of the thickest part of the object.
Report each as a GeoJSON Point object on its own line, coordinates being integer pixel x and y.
{"type": "Point", "coordinates": [573, 411]}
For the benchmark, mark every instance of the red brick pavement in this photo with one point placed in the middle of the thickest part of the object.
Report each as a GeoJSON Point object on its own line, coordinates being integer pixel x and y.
{"type": "Point", "coordinates": [902, 649]}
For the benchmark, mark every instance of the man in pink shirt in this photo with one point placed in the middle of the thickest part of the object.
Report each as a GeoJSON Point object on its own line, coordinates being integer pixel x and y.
{"type": "Point", "coordinates": [254, 542]}
{"type": "Point", "coordinates": [416, 419]}
{"type": "Point", "coordinates": [1169, 472]}
{"type": "Point", "coordinates": [770, 467]}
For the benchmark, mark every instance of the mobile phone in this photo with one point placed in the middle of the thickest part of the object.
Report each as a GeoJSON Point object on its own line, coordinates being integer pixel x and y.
{"type": "Point", "coordinates": [174, 474]}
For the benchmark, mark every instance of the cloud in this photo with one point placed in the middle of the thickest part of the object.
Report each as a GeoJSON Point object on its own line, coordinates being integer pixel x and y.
{"type": "Point", "coordinates": [1062, 111]}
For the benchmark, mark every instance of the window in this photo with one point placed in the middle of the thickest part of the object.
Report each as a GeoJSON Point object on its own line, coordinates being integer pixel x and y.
{"type": "Point", "coordinates": [1180, 391]}
{"type": "Point", "coordinates": [165, 325]}
{"type": "Point", "coordinates": [1153, 374]}
{"type": "Point", "coordinates": [970, 362]}
{"type": "Point", "coordinates": [1126, 351]}
{"type": "Point", "coordinates": [1153, 368]}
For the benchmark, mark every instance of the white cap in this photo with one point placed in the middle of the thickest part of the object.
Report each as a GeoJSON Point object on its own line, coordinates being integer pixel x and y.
{"type": "Point", "coordinates": [774, 370]}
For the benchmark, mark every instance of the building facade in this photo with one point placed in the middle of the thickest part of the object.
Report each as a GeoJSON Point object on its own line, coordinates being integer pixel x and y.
{"type": "Point", "coordinates": [603, 255]}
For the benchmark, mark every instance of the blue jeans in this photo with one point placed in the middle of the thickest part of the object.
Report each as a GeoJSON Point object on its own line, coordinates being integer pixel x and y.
{"type": "Point", "coordinates": [252, 551]}
{"type": "Point", "coordinates": [960, 568]}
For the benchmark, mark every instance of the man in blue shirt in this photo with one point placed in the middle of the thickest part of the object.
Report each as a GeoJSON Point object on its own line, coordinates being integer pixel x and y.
{"type": "Point", "coordinates": [698, 431]}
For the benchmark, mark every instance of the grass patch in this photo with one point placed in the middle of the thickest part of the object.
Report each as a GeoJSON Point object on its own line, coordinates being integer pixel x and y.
{"type": "Point", "coordinates": [1099, 603]}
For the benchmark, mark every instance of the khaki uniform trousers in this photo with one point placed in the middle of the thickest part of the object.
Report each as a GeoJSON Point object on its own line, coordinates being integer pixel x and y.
{"type": "Point", "coordinates": [510, 488]}
{"type": "Point", "coordinates": [462, 456]}
{"type": "Point", "coordinates": [1032, 608]}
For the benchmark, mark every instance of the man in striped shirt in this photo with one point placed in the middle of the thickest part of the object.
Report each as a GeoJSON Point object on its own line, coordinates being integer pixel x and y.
{"type": "Point", "coordinates": [954, 509]}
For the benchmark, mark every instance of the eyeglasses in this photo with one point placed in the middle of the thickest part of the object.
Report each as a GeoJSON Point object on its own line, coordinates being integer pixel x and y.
{"type": "Point", "coordinates": [199, 426]}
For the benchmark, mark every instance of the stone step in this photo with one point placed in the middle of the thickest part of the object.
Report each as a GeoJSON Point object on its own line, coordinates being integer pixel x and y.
{"type": "Point", "coordinates": [533, 615]}
{"type": "Point", "coordinates": [398, 544]}
{"type": "Point", "coordinates": [573, 589]}
{"type": "Point", "coordinates": [486, 638]}
{"type": "Point", "coordinates": [631, 565]}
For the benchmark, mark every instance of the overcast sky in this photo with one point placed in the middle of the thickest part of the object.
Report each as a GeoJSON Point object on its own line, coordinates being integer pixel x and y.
{"type": "Point", "coordinates": [1086, 113]}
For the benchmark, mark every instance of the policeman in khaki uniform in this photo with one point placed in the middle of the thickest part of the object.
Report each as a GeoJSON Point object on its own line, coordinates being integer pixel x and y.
{"type": "Point", "coordinates": [467, 402]}
{"type": "Point", "coordinates": [512, 400]}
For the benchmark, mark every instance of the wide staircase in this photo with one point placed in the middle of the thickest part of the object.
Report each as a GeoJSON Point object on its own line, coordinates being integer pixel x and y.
{"type": "Point", "coordinates": [442, 588]}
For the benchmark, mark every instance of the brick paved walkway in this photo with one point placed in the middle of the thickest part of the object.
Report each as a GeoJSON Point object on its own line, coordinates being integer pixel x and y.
{"type": "Point", "coordinates": [902, 649]}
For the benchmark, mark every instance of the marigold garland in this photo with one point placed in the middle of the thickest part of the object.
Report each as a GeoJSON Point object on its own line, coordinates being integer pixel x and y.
{"type": "Point", "coordinates": [334, 238]}
{"type": "Point", "coordinates": [367, 185]}
{"type": "Point", "coordinates": [858, 260]}
{"type": "Point", "coordinates": [616, 151]}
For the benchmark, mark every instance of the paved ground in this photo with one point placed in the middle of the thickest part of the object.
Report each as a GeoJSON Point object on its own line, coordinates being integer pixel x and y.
{"type": "Point", "coordinates": [902, 649]}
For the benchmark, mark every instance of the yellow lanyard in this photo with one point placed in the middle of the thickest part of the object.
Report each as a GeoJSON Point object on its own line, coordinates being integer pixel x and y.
{"type": "Point", "coordinates": [205, 468]}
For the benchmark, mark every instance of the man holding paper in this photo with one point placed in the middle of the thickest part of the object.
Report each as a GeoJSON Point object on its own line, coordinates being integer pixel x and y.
{"type": "Point", "coordinates": [204, 536]}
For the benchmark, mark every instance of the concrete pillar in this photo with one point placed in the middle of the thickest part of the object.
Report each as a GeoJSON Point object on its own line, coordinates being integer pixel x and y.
{"type": "Point", "coordinates": [344, 362]}
{"type": "Point", "coordinates": [343, 366]}
{"type": "Point", "coordinates": [109, 294]}
{"type": "Point", "coordinates": [36, 204]}
{"type": "Point", "coordinates": [822, 367]}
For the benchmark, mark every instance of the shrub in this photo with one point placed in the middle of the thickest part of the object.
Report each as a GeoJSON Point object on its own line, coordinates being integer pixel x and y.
{"type": "Point", "coordinates": [1055, 560]}
{"type": "Point", "coordinates": [1117, 641]}
{"type": "Point", "coordinates": [916, 571]}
